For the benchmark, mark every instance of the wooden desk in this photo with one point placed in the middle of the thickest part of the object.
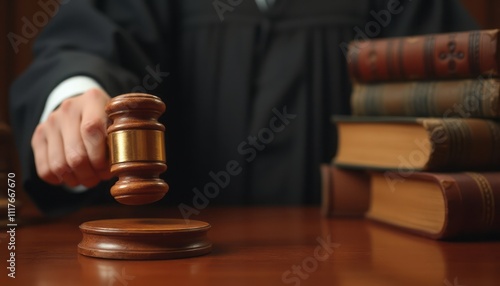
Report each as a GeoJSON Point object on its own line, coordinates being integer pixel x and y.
{"type": "Point", "coordinates": [257, 246]}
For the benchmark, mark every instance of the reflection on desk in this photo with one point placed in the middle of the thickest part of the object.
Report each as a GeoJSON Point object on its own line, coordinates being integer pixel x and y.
{"type": "Point", "coordinates": [258, 246]}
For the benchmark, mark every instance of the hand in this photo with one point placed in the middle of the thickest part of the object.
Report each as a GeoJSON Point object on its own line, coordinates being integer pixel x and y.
{"type": "Point", "coordinates": [70, 146]}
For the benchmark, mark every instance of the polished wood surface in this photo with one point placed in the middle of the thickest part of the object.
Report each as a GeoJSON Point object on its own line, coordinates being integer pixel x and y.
{"type": "Point", "coordinates": [257, 246]}
{"type": "Point", "coordinates": [137, 148]}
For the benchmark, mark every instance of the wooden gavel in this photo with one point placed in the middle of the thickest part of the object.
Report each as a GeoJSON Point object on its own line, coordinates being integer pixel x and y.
{"type": "Point", "coordinates": [137, 148]}
{"type": "Point", "coordinates": [137, 156]}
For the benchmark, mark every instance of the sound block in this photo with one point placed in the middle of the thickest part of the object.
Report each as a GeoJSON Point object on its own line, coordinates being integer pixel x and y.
{"type": "Point", "coordinates": [144, 238]}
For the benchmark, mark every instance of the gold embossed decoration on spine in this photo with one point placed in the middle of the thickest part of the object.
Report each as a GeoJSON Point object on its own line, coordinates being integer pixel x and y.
{"type": "Point", "coordinates": [137, 148]}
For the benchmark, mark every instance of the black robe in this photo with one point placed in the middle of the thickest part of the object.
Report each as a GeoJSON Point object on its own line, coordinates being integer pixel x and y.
{"type": "Point", "coordinates": [231, 71]}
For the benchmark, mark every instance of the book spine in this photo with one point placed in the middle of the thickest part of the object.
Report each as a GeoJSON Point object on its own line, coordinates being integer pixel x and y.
{"type": "Point", "coordinates": [462, 144]}
{"type": "Point", "coordinates": [477, 98]}
{"type": "Point", "coordinates": [472, 204]}
{"type": "Point", "coordinates": [435, 56]}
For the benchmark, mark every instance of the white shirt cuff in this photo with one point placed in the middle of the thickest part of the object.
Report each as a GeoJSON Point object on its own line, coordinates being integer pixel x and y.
{"type": "Point", "coordinates": [66, 89]}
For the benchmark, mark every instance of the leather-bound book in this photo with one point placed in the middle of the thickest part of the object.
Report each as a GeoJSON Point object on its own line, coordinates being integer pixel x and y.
{"type": "Point", "coordinates": [344, 192]}
{"type": "Point", "coordinates": [438, 205]}
{"type": "Point", "coordinates": [423, 144]}
{"type": "Point", "coordinates": [447, 98]}
{"type": "Point", "coordinates": [434, 56]}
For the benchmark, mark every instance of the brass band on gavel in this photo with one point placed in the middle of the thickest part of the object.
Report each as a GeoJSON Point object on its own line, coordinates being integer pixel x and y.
{"type": "Point", "coordinates": [136, 145]}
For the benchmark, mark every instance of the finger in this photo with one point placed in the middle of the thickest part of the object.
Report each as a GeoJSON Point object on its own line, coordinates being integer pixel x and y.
{"type": "Point", "coordinates": [55, 153]}
{"type": "Point", "coordinates": [105, 174]}
{"type": "Point", "coordinates": [39, 146]}
{"type": "Point", "coordinates": [78, 161]}
{"type": "Point", "coordinates": [74, 150]}
{"type": "Point", "coordinates": [93, 132]}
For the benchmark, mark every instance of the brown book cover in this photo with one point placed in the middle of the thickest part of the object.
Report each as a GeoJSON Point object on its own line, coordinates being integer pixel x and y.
{"type": "Point", "coordinates": [423, 144]}
{"type": "Point", "coordinates": [434, 56]}
{"type": "Point", "coordinates": [438, 205]}
{"type": "Point", "coordinates": [344, 192]}
{"type": "Point", "coordinates": [477, 98]}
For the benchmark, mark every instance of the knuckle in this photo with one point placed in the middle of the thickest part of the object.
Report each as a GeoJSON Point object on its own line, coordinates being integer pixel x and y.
{"type": "Point", "coordinates": [94, 94]}
{"type": "Point", "coordinates": [76, 157]}
{"type": "Point", "coordinates": [38, 136]}
{"type": "Point", "coordinates": [59, 168]}
{"type": "Point", "coordinates": [67, 105]}
{"type": "Point", "coordinates": [93, 127]}
{"type": "Point", "coordinates": [52, 119]}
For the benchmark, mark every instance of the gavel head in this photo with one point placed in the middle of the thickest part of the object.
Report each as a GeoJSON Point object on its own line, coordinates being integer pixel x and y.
{"type": "Point", "coordinates": [137, 148]}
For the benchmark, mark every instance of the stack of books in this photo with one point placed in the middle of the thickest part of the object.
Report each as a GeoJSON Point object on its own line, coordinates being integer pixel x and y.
{"type": "Point", "coordinates": [421, 151]}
